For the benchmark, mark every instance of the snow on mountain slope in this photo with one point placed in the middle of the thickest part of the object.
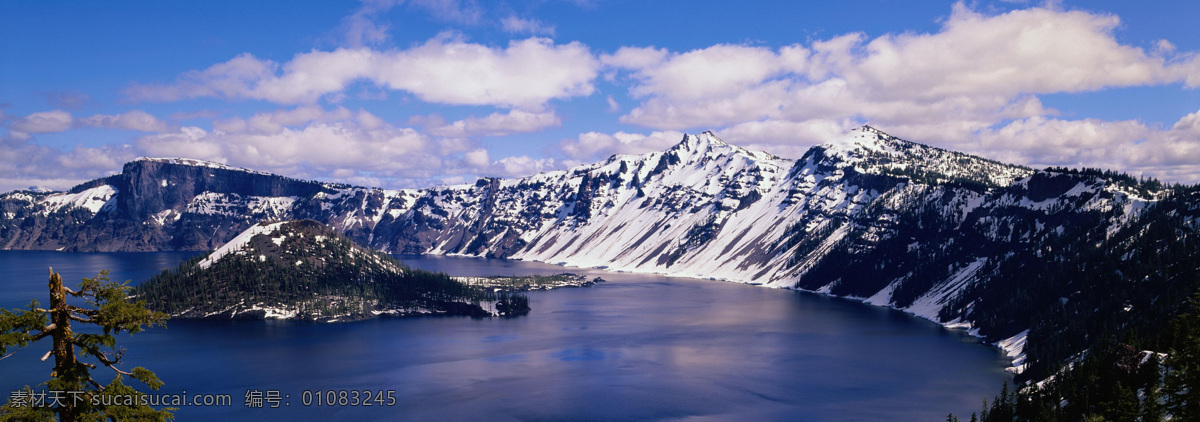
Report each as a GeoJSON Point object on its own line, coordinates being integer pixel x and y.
{"type": "Point", "coordinates": [919, 225]}
{"type": "Point", "coordinates": [93, 199]}
{"type": "Point", "coordinates": [238, 243]}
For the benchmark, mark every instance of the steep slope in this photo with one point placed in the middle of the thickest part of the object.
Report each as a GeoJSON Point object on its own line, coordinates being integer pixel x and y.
{"type": "Point", "coordinates": [304, 270]}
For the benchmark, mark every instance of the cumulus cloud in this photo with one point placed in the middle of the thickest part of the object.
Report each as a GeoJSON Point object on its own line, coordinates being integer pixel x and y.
{"type": "Point", "coordinates": [498, 124]}
{"type": "Point", "coordinates": [971, 85]}
{"type": "Point", "coordinates": [363, 27]}
{"type": "Point", "coordinates": [444, 70]}
{"type": "Point", "coordinates": [1125, 145]}
{"type": "Point", "coordinates": [322, 143]}
{"type": "Point", "coordinates": [1036, 50]}
{"type": "Point", "coordinates": [232, 79]}
{"type": "Point", "coordinates": [478, 158]}
{"type": "Point", "coordinates": [276, 121]}
{"type": "Point", "coordinates": [522, 166]}
{"type": "Point", "coordinates": [339, 144]}
{"type": "Point", "coordinates": [132, 120]}
{"type": "Point", "coordinates": [976, 68]}
{"type": "Point", "coordinates": [720, 70]}
{"type": "Point", "coordinates": [43, 122]}
{"type": "Point", "coordinates": [24, 164]}
{"type": "Point", "coordinates": [592, 145]}
{"type": "Point", "coordinates": [785, 138]}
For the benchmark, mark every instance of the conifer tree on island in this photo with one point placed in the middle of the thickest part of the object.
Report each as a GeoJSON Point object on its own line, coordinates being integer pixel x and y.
{"type": "Point", "coordinates": [72, 393]}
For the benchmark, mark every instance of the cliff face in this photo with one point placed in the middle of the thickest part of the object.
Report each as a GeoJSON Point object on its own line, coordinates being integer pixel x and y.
{"type": "Point", "coordinates": [151, 186]}
{"type": "Point", "coordinates": [168, 204]}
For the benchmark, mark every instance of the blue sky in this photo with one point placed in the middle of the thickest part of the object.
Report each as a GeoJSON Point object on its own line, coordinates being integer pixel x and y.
{"type": "Point", "coordinates": [413, 93]}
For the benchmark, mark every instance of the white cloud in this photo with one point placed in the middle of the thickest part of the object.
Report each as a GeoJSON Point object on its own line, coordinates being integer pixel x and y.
{"type": "Point", "coordinates": [522, 166]}
{"type": "Point", "coordinates": [478, 158]}
{"type": "Point", "coordinates": [516, 25]}
{"type": "Point", "coordinates": [977, 69]}
{"type": "Point", "coordinates": [231, 79]}
{"type": "Point", "coordinates": [635, 58]}
{"type": "Point", "coordinates": [593, 145]}
{"type": "Point", "coordinates": [1036, 50]}
{"type": "Point", "coordinates": [276, 121]}
{"type": "Point", "coordinates": [320, 146]}
{"type": "Point", "coordinates": [1123, 145]}
{"type": "Point", "coordinates": [498, 124]}
{"type": "Point", "coordinates": [336, 144]}
{"type": "Point", "coordinates": [752, 103]}
{"type": "Point", "coordinates": [613, 106]}
{"type": "Point", "coordinates": [972, 85]}
{"type": "Point", "coordinates": [24, 164]}
{"type": "Point", "coordinates": [526, 74]}
{"type": "Point", "coordinates": [131, 120]}
{"type": "Point", "coordinates": [43, 122]}
{"type": "Point", "coordinates": [785, 138]}
{"type": "Point", "coordinates": [362, 28]}
{"type": "Point", "coordinates": [719, 70]}
{"type": "Point", "coordinates": [443, 70]}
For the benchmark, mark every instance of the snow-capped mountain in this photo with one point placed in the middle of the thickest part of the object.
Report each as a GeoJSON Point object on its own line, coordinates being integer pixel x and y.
{"type": "Point", "coordinates": [867, 215]}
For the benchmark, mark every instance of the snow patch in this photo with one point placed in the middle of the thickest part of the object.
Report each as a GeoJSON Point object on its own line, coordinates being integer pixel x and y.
{"type": "Point", "coordinates": [1014, 347]}
{"type": "Point", "coordinates": [238, 242]}
{"type": "Point", "coordinates": [92, 199]}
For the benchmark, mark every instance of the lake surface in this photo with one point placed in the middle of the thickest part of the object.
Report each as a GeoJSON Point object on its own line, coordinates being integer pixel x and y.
{"type": "Point", "coordinates": [638, 347]}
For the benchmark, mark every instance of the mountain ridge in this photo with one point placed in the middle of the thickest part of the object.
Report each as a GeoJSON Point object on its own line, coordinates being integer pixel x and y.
{"type": "Point", "coordinates": [922, 226]}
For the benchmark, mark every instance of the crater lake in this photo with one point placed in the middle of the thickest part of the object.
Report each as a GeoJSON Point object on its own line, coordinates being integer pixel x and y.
{"type": "Point", "coordinates": [636, 347]}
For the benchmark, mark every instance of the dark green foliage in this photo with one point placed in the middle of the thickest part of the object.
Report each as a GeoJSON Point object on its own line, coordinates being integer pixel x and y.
{"type": "Point", "coordinates": [1183, 377]}
{"type": "Point", "coordinates": [1144, 187]}
{"type": "Point", "coordinates": [1084, 285]}
{"type": "Point", "coordinates": [533, 282]}
{"type": "Point", "coordinates": [1076, 276]}
{"type": "Point", "coordinates": [1114, 381]}
{"type": "Point", "coordinates": [329, 278]}
{"type": "Point", "coordinates": [76, 354]}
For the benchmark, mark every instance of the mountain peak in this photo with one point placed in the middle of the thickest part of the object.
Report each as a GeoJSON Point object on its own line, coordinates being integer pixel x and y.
{"type": "Point", "coordinates": [704, 141]}
{"type": "Point", "coordinates": [873, 151]}
{"type": "Point", "coordinates": [871, 129]}
{"type": "Point", "coordinates": [857, 141]}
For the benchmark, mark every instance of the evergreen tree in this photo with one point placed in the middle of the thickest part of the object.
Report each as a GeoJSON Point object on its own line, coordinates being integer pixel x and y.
{"type": "Point", "coordinates": [107, 307]}
{"type": "Point", "coordinates": [1152, 410]}
{"type": "Point", "coordinates": [1182, 384]}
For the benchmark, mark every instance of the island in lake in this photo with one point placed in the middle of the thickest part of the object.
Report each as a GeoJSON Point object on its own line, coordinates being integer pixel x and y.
{"type": "Point", "coordinates": [304, 270]}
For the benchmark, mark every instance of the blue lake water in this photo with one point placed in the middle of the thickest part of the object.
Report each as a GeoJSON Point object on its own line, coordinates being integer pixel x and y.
{"type": "Point", "coordinates": [639, 347]}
